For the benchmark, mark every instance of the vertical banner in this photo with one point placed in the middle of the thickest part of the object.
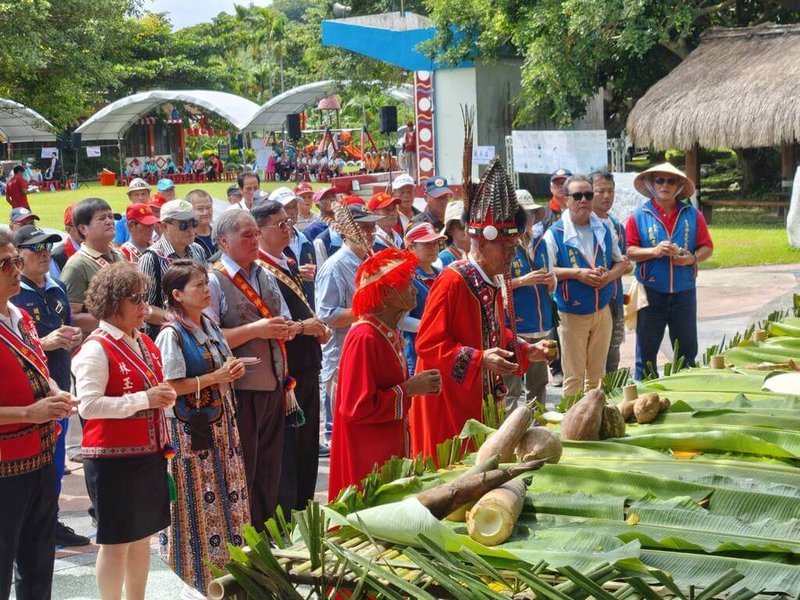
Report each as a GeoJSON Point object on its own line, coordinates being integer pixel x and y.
{"type": "Point", "coordinates": [423, 107]}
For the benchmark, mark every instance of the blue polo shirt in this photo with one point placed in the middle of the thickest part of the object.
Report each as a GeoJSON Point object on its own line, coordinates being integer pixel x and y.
{"type": "Point", "coordinates": [49, 308]}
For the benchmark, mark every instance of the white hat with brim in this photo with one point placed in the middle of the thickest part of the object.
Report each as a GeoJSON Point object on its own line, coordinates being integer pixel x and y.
{"type": "Point", "coordinates": [453, 212]}
{"type": "Point", "coordinates": [526, 201]}
{"type": "Point", "coordinates": [685, 185]}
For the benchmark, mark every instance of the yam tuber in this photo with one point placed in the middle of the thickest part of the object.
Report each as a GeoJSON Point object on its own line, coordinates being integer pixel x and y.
{"type": "Point", "coordinates": [460, 514]}
{"type": "Point", "coordinates": [539, 443]}
{"type": "Point", "coordinates": [626, 409]}
{"type": "Point", "coordinates": [491, 521]}
{"type": "Point", "coordinates": [444, 499]}
{"type": "Point", "coordinates": [505, 439]}
{"type": "Point", "coordinates": [646, 408]}
{"type": "Point", "coordinates": [663, 404]}
{"type": "Point", "coordinates": [583, 419]}
{"type": "Point", "coordinates": [613, 425]}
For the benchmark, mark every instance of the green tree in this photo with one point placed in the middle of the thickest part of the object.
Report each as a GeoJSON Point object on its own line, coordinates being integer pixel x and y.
{"type": "Point", "coordinates": [57, 56]}
{"type": "Point", "coordinates": [573, 47]}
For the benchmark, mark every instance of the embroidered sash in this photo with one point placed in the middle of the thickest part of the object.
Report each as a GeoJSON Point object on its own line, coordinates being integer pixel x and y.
{"type": "Point", "coordinates": [279, 274]}
{"type": "Point", "coordinates": [32, 354]}
{"type": "Point", "coordinates": [98, 260]}
{"type": "Point", "coordinates": [143, 364]}
{"type": "Point", "coordinates": [244, 286]}
{"type": "Point", "coordinates": [131, 252]}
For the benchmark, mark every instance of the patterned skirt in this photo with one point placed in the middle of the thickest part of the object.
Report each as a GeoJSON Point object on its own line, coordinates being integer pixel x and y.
{"type": "Point", "coordinates": [212, 504]}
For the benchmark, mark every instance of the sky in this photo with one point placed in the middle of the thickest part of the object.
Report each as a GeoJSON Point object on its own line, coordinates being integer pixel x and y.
{"type": "Point", "coordinates": [183, 13]}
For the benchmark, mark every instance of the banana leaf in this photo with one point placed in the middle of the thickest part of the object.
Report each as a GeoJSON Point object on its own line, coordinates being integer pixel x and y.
{"type": "Point", "coordinates": [701, 570]}
{"type": "Point", "coordinates": [785, 328]}
{"type": "Point", "coordinates": [707, 380]}
{"type": "Point", "coordinates": [763, 353]}
{"type": "Point", "coordinates": [744, 417]}
{"type": "Point", "coordinates": [579, 505]}
{"type": "Point", "coordinates": [716, 437]}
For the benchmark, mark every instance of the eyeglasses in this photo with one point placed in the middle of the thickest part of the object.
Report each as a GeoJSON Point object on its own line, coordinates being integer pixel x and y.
{"type": "Point", "coordinates": [663, 180]}
{"type": "Point", "coordinates": [138, 298]}
{"type": "Point", "coordinates": [10, 265]}
{"type": "Point", "coordinates": [42, 247]}
{"type": "Point", "coordinates": [283, 225]}
{"type": "Point", "coordinates": [577, 196]}
{"type": "Point", "coordinates": [184, 225]}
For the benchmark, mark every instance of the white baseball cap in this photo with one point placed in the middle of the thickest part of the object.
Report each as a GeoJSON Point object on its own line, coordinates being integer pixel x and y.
{"type": "Point", "coordinates": [177, 210]}
{"type": "Point", "coordinates": [137, 183]}
{"type": "Point", "coordinates": [403, 180]}
{"type": "Point", "coordinates": [284, 195]}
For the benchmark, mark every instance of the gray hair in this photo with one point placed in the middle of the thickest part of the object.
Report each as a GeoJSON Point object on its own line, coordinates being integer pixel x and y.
{"type": "Point", "coordinates": [6, 237]}
{"type": "Point", "coordinates": [231, 221]}
{"type": "Point", "coordinates": [602, 176]}
{"type": "Point", "coordinates": [577, 178]}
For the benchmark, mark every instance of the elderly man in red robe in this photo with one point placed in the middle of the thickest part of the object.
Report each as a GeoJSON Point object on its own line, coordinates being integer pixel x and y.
{"type": "Point", "coordinates": [374, 392]}
{"type": "Point", "coordinates": [463, 332]}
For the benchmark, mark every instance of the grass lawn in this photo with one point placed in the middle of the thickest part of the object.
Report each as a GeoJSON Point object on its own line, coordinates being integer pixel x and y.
{"type": "Point", "coordinates": [740, 238]}
{"type": "Point", "coordinates": [50, 205]}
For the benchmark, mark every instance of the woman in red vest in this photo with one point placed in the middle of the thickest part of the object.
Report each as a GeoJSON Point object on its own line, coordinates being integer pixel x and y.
{"type": "Point", "coordinates": [125, 442]}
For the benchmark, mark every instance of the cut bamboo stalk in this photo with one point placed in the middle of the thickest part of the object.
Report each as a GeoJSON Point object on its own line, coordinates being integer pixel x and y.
{"type": "Point", "coordinates": [718, 361]}
{"type": "Point", "coordinates": [630, 392]}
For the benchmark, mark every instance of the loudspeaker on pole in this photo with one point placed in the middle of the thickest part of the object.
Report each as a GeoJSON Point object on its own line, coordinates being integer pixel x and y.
{"type": "Point", "coordinates": [388, 119]}
{"type": "Point", "coordinates": [293, 126]}
{"type": "Point", "coordinates": [76, 139]}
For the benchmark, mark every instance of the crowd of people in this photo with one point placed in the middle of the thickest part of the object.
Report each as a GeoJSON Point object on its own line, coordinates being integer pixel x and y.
{"type": "Point", "coordinates": [216, 359]}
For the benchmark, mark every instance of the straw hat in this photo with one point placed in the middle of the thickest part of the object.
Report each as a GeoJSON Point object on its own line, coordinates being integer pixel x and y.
{"type": "Point", "coordinates": [685, 185]}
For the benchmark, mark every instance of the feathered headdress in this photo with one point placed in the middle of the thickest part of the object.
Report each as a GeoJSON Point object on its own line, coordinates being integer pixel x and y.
{"type": "Point", "coordinates": [392, 267]}
{"type": "Point", "coordinates": [346, 226]}
{"type": "Point", "coordinates": [490, 206]}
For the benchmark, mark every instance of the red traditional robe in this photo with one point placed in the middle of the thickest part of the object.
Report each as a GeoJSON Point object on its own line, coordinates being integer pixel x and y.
{"type": "Point", "coordinates": [370, 421]}
{"type": "Point", "coordinates": [463, 316]}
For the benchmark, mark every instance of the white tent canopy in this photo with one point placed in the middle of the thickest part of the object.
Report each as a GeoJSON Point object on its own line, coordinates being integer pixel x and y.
{"type": "Point", "coordinates": [272, 115]}
{"type": "Point", "coordinates": [19, 123]}
{"type": "Point", "coordinates": [111, 122]}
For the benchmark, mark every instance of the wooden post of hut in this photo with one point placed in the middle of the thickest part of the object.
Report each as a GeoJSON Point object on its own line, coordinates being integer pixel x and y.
{"type": "Point", "coordinates": [693, 172]}
{"type": "Point", "coordinates": [788, 168]}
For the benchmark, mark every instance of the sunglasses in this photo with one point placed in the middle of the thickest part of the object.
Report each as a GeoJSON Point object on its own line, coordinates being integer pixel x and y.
{"type": "Point", "coordinates": [10, 265]}
{"type": "Point", "coordinates": [42, 247]}
{"type": "Point", "coordinates": [138, 298]}
{"type": "Point", "coordinates": [283, 225]}
{"type": "Point", "coordinates": [184, 225]}
{"type": "Point", "coordinates": [663, 180]}
{"type": "Point", "coordinates": [577, 196]}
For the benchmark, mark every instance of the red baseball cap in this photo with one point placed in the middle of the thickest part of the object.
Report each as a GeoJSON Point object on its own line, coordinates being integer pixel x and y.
{"type": "Point", "coordinates": [303, 188]}
{"type": "Point", "coordinates": [157, 200]}
{"type": "Point", "coordinates": [382, 200]}
{"type": "Point", "coordinates": [321, 193]}
{"type": "Point", "coordinates": [141, 213]}
{"type": "Point", "coordinates": [352, 200]}
{"type": "Point", "coordinates": [423, 232]}
{"type": "Point", "coordinates": [68, 214]}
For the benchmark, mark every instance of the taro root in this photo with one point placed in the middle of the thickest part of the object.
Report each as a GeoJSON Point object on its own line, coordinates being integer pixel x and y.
{"type": "Point", "coordinates": [613, 425]}
{"type": "Point", "coordinates": [539, 443]}
{"type": "Point", "coordinates": [646, 408]}
{"type": "Point", "coordinates": [583, 419]}
{"type": "Point", "coordinates": [626, 409]}
{"type": "Point", "coordinates": [663, 404]}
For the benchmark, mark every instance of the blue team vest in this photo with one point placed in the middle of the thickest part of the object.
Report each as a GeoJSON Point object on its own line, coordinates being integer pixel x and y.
{"type": "Point", "coordinates": [619, 292]}
{"type": "Point", "coordinates": [661, 274]}
{"type": "Point", "coordinates": [199, 362]}
{"type": "Point", "coordinates": [532, 306]}
{"type": "Point", "coordinates": [573, 296]}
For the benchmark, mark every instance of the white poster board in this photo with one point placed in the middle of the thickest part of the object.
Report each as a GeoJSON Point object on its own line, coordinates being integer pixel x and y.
{"type": "Point", "coordinates": [49, 152]}
{"type": "Point", "coordinates": [262, 152]}
{"type": "Point", "coordinates": [482, 155]}
{"type": "Point", "coordinates": [93, 151]}
{"type": "Point", "coordinates": [626, 198]}
{"type": "Point", "coordinates": [547, 151]}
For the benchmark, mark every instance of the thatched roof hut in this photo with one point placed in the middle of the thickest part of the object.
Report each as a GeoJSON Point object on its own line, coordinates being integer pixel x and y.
{"type": "Point", "coordinates": [740, 88]}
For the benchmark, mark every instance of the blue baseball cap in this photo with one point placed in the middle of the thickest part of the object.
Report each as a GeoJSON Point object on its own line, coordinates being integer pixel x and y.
{"type": "Point", "coordinates": [561, 174]}
{"type": "Point", "coordinates": [437, 186]}
{"type": "Point", "coordinates": [165, 184]}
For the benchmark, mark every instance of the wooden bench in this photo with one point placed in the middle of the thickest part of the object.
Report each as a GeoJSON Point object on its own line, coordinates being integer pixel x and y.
{"type": "Point", "coordinates": [781, 203]}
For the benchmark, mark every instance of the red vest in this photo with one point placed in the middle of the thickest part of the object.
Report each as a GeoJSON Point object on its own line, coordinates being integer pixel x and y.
{"type": "Point", "coordinates": [24, 447]}
{"type": "Point", "coordinates": [142, 433]}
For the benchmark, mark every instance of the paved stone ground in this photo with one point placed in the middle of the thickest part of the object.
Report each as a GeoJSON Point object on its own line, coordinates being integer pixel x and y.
{"type": "Point", "coordinates": [728, 301]}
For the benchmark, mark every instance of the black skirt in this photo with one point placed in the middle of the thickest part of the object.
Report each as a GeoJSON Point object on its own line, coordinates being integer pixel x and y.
{"type": "Point", "coordinates": [130, 496]}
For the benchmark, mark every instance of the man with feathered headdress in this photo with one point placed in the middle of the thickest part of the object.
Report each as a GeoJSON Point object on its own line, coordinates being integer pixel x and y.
{"type": "Point", "coordinates": [374, 390]}
{"type": "Point", "coordinates": [463, 329]}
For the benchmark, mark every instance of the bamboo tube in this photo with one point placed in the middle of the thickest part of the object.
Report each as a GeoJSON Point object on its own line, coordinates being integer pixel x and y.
{"type": "Point", "coordinates": [223, 587]}
{"type": "Point", "coordinates": [718, 361]}
{"type": "Point", "coordinates": [759, 335]}
{"type": "Point", "coordinates": [630, 392]}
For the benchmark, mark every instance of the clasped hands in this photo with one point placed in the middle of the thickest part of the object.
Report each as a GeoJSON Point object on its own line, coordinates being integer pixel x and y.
{"type": "Point", "coordinates": [499, 360]}
{"type": "Point", "coordinates": [680, 256]}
